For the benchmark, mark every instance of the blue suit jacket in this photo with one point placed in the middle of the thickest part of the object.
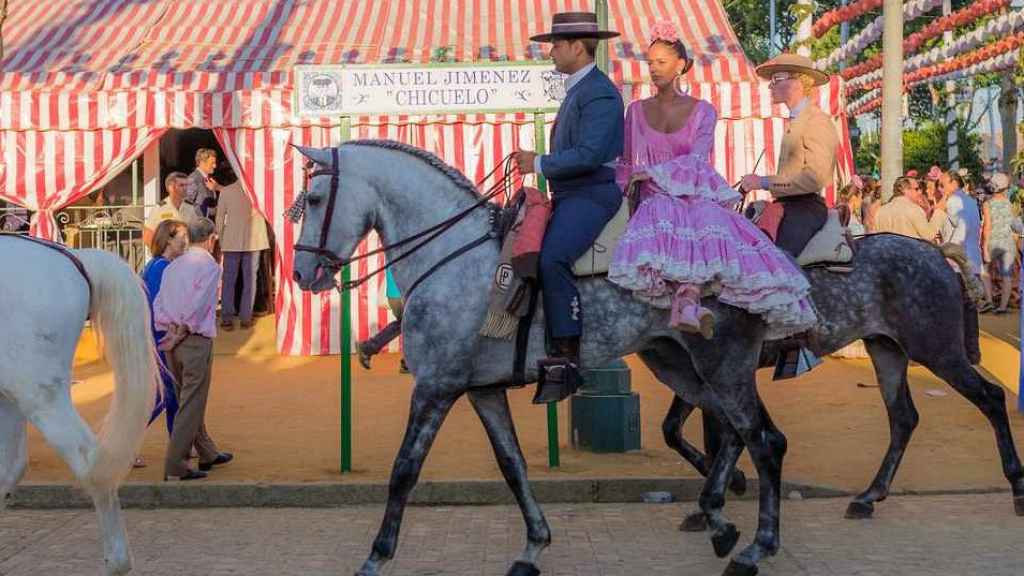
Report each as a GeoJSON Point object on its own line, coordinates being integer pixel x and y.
{"type": "Point", "coordinates": [588, 133]}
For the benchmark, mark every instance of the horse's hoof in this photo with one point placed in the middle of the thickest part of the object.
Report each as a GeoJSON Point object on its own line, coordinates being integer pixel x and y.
{"type": "Point", "coordinates": [521, 568]}
{"type": "Point", "coordinates": [860, 510]}
{"type": "Point", "coordinates": [1018, 505]}
{"type": "Point", "coordinates": [736, 569]}
{"type": "Point", "coordinates": [725, 539]}
{"type": "Point", "coordinates": [695, 522]}
{"type": "Point", "coordinates": [738, 485]}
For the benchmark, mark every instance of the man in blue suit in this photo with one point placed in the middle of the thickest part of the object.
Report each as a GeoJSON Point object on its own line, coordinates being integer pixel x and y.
{"type": "Point", "coordinates": [586, 140]}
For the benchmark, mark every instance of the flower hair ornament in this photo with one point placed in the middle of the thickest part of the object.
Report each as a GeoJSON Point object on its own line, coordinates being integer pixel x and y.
{"type": "Point", "coordinates": [664, 31]}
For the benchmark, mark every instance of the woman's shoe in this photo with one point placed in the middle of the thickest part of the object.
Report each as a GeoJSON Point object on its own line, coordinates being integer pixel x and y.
{"type": "Point", "coordinates": [706, 321]}
{"type": "Point", "coordinates": [693, 318]}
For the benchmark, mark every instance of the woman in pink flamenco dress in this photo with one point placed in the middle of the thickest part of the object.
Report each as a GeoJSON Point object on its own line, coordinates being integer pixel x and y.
{"type": "Point", "coordinates": [685, 236]}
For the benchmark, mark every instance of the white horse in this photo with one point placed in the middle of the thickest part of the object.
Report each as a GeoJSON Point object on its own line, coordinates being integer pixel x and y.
{"type": "Point", "coordinates": [46, 300]}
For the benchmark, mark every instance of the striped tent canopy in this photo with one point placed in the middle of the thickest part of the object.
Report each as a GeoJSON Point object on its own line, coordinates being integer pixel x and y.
{"type": "Point", "coordinates": [60, 45]}
{"type": "Point", "coordinates": [88, 85]}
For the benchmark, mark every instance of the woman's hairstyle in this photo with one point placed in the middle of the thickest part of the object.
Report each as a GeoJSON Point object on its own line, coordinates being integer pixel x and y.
{"type": "Point", "coordinates": [167, 230]}
{"type": "Point", "coordinates": [849, 191]}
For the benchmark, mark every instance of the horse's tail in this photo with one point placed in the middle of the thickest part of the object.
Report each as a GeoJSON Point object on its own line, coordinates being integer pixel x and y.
{"type": "Point", "coordinates": [120, 311]}
{"type": "Point", "coordinates": [957, 254]}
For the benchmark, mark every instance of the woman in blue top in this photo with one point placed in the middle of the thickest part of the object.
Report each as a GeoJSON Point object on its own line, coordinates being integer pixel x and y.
{"type": "Point", "coordinates": [169, 241]}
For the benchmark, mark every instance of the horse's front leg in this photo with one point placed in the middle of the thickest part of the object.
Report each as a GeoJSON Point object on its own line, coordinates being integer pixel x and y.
{"type": "Point", "coordinates": [429, 407]}
{"type": "Point", "coordinates": [492, 407]}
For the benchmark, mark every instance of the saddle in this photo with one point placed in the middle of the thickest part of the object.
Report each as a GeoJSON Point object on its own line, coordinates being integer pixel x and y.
{"type": "Point", "coordinates": [830, 248]}
{"type": "Point", "coordinates": [597, 260]}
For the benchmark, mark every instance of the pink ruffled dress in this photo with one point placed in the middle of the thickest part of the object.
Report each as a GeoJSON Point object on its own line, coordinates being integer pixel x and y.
{"type": "Point", "coordinates": [685, 234]}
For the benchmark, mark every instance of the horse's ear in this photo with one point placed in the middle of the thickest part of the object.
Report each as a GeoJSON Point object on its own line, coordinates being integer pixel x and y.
{"type": "Point", "coordinates": [321, 156]}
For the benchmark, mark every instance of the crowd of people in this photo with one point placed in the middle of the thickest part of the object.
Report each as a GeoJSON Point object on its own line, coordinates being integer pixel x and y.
{"type": "Point", "coordinates": [204, 239]}
{"type": "Point", "coordinates": [946, 206]}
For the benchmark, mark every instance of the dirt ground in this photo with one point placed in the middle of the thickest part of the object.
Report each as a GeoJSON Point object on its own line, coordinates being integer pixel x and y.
{"type": "Point", "coordinates": [280, 417]}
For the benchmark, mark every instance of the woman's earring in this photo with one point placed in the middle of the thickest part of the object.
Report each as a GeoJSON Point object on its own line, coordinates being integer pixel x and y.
{"type": "Point", "coordinates": [680, 89]}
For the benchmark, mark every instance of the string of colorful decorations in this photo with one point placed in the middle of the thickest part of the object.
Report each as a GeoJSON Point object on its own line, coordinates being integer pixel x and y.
{"type": "Point", "coordinates": [1001, 60]}
{"type": "Point", "coordinates": [872, 32]}
{"type": "Point", "coordinates": [997, 48]}
{"type": "Point", "coordinates": [977, 10]}
{"type": "Point", "coordinates": [835, 17]}
{"type": "Point", "coordinates": [1004, 25]}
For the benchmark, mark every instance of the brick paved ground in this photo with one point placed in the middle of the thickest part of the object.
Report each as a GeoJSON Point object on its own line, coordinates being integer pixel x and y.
{"type": "Point", "coordinates": [919, 536]}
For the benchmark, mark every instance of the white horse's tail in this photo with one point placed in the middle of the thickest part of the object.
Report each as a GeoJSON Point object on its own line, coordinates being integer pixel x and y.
{"type": "Point", "coordinates": [120, 312]}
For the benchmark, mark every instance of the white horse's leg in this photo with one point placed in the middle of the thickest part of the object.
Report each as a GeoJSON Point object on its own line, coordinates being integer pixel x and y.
{"type": "Point", "coordinates": [64, 429]}
{"type": "Point", "coordinates": [13, 450]}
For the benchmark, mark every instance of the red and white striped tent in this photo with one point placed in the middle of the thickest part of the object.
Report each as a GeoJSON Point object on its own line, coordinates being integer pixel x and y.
{"type": "Point", "coordinates": [88, 85]}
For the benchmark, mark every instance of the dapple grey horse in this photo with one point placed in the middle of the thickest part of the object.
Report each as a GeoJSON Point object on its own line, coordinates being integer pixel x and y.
{"type": "Point", "coordinates": [398, 191]}
{"type": "Point", "coordinates": [902, 299]}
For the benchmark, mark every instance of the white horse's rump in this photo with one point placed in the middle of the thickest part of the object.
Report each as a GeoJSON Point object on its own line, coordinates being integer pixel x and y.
{"type": "Point", "coordinates": [46, 301]}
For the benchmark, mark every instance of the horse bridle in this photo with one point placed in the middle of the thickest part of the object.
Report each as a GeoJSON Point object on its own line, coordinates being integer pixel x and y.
{"type": "Point", "coordinates": [330, 261]}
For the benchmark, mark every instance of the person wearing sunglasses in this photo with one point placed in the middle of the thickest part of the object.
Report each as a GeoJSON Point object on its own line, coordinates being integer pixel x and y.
{"type": "Point", "coordinates": [807, 158]}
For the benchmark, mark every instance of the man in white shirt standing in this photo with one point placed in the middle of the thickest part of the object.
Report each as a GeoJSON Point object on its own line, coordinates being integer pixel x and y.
{"type": "Point", "coordinates": [963, 228]}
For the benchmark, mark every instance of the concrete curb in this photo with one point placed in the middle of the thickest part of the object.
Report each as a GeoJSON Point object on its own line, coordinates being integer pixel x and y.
{"type": "Point", "coordinates": [335, 494]}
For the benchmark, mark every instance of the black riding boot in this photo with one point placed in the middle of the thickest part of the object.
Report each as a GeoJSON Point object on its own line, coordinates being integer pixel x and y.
{"type": "Point", "coordinates": [559, 375]}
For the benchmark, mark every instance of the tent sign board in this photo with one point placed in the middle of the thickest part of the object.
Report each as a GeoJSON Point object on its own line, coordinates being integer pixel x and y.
{"type": "Point", "coordinates": [469, 88]}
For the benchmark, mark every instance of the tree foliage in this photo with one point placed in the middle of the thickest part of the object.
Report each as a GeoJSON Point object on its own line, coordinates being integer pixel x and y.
{"type": "Point", "coordinates": [923, 148]}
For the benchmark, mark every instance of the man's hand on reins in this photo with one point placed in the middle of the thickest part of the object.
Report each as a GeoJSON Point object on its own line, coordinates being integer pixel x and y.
{"type": "Point", "coordinates": [750, 183]}
{"type": "Point", "coordinates": [524, 161]}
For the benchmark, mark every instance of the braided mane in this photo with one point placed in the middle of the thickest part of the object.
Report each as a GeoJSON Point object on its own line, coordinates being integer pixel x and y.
{"type": "Point", "coordinates": [457, 178]}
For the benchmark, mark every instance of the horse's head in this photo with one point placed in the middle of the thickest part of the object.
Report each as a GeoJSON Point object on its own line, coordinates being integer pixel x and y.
{"type": "Point", "coordinates": [337, 209]}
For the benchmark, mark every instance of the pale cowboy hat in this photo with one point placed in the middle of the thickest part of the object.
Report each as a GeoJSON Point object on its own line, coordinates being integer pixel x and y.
{"type": "Point", "coordinates": [792, 63]}
{"type": "Point", "coordinates": [1000, 182]}
{"type": "Point", "coordinates": [574, 25]}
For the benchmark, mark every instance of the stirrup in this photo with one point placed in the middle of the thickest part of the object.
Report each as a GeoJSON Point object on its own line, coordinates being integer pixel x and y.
{"type": "Point", "coordinates": [557, 379]}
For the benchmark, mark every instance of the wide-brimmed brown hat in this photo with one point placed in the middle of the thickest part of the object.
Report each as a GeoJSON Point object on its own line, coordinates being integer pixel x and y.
{"type": "Point", "coordinates": [792, 63]}
{"type": "Point", "coordinates": [574, 25]}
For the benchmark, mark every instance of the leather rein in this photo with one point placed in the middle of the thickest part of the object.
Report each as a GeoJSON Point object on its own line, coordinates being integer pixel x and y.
{"type": "Point", "coordinates": [330, 261]}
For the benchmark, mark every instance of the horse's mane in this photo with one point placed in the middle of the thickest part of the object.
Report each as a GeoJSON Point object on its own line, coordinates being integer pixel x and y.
{"type": "Point", "coordinates": [457, 178]}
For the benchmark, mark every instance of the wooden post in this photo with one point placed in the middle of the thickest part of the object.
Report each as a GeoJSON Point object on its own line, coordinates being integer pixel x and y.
{"type": "Point", "coordinates": [892, 95]}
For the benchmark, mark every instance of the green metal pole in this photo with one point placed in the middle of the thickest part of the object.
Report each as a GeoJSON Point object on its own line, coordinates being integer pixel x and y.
{"type": "Point", "coordinates": [346, 348]}
{"type": "Point", "coordinates": [539, 147]}
{"type": "Point", "coordinates": [601, 9]}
